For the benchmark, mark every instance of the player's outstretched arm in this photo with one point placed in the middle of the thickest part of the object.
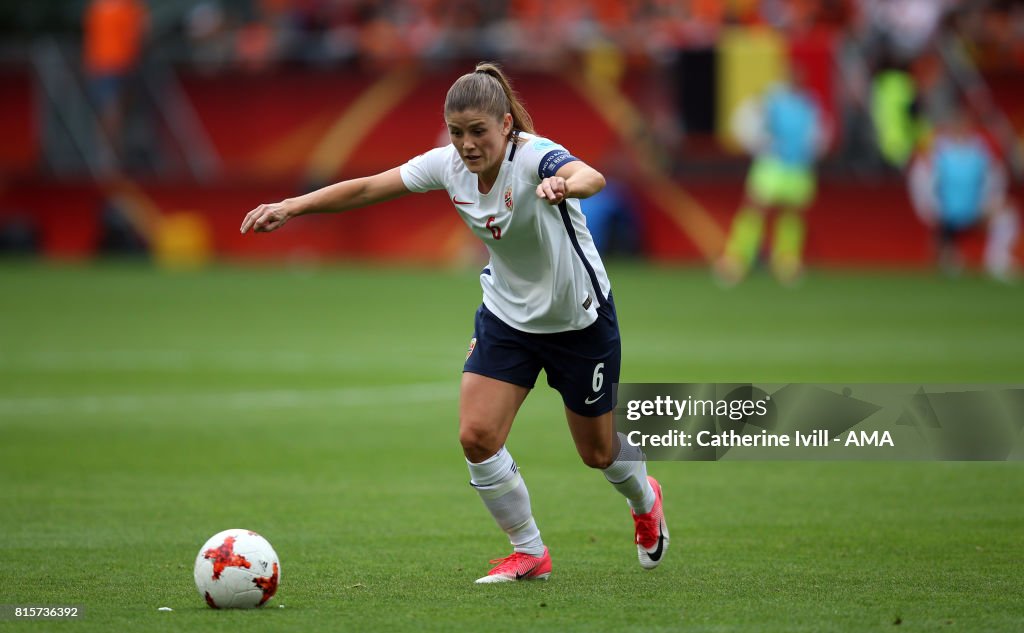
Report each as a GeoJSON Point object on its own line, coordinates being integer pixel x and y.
{"type": "Point", "coordinates": [572, 180]}
{"type": "Point", "coordinates": [348, 194]}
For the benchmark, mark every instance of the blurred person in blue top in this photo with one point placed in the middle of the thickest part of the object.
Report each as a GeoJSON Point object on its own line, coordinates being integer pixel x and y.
{"type": "Point", "coordinates": [786, 133]}
{"type": "Point", "coordinates": [957, 186]}
{"type": "Point", "coordinates": [611, 217]}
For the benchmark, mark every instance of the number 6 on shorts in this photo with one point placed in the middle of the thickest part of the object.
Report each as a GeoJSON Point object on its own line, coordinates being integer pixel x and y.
{"type": "Point", "coordinates": [598, 377]}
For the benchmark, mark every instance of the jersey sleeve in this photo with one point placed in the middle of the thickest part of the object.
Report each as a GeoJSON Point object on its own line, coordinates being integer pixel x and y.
{"type": "Point", "coordinates": [425, 172]}
{"type": "Point", "coordinates": [545, 156]}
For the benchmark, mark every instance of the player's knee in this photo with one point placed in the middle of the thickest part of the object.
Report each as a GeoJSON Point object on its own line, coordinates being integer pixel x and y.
{"type": "Point", "coordinates": [478, 443]}
{"type": "Point", "coordinates": [599, 458]}
{"type": "Point", "coordinates": [756, 207]}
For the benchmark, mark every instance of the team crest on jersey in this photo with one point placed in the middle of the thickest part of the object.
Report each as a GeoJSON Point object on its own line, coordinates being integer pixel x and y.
{"type": "Point", "coordinates": [472, 346]}
{"type": "Point", "coordinates": [508, 198]}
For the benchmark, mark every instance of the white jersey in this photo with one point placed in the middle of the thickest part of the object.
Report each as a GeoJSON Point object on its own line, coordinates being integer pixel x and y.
{"type": "Point", "coordinates": [544, 274]}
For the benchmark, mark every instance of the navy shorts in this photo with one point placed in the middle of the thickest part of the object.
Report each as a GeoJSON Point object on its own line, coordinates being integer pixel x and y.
{"type": "Point", "coordinates": [582, 365]}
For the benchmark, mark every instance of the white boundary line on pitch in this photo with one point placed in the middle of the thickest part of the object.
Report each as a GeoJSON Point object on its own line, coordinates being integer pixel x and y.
{"type": "Point", "coordinates": [390, 395]}
{"type": "Point", "coordinates": [748, 350]}
{"type": "Point", "coordinates": [177, 360]}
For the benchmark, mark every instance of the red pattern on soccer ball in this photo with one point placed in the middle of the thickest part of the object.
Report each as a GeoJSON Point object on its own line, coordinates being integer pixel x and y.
{"type": "Point", "coordinates": [225, 556]}
{"type": "Point", "coordinates": [268, 585]}
{"type": "Point", "coordinates": [209, 601]}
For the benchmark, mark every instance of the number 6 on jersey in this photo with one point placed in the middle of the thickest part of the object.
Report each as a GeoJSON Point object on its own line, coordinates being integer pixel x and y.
{"type": "Point", "coordinates": [494, 228]}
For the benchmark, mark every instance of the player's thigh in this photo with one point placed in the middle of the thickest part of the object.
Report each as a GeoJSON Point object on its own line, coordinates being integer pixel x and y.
{"type": "Point", "coordinates": [583, 365]}
{"type": "Point", "coordinates": [797, 188]}
{"type": "Point", "coordinates": [487, 408]}
{"type": "Point", "coordinates": [501, 368]}
{"type": "Point", "coordinates": [763, 182]}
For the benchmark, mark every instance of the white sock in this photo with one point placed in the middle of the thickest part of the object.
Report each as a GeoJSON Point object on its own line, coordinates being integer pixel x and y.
{"type": "Point", "coordinates": [628, 474]}
{"type": "Point", "coordinates": [1002, 236]}
{"type": "Point", "coordinates": [503, 491]}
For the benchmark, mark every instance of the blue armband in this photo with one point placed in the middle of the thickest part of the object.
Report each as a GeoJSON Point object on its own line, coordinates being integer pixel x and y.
{"type": "Point", "coordinates": [552, 161]}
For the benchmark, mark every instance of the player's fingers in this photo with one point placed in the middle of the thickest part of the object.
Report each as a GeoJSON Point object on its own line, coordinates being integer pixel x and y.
{"type": "Point", "coordinates": [265, 222]}
{"type": "Point", "coordinates": [557, 186]}
{"type": "Point", "coordinates": [273, 219]}
{"type": "Point", "coordinates": [257, 217]}
{"type": "Point", "coordinates": [247, 222]}
{"type": "Point", "coordinates": [548, 189]}
{"type": "Point", "coordinates": [553, 190]}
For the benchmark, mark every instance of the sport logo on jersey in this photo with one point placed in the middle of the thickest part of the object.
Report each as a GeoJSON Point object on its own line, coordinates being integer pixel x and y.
{"type": "Point", "coordinates": [472, 346]}
{"type": "Point", "coordinates": [508, 198]}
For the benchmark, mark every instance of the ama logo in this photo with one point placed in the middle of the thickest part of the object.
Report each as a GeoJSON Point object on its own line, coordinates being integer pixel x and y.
{"type": "Point", "coordinates": [869, 439]}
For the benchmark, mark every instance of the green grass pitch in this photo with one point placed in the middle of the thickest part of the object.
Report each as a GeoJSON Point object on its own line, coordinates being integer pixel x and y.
{"type": "Point", "coordinates": [142, 411]}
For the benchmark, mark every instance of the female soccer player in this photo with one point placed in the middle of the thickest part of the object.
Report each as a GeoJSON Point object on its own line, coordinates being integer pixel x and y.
{"type": "Point", "coordinates": [546, 304]}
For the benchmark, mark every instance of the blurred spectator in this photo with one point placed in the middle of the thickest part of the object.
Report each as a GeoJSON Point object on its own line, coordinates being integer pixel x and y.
{"type": "Point", "coordinates": [919, 66]}
{"type": "Point", "coordinates": [787, 133]}
{"type": "Point", "coordinates": [958, 186]}
{"type": "Point", "coordinates": [255, 46]}
{"type": "Point", "coordinates": [899, 31]}
{"type": "Point", "coordinates": [113, 35]}
{"type": "Point", "coordinates": [537, 33]}
{"type": "Point", "coordinates": [206, 32]}
{"type": "Point", "coordinates": [896, 112]}
{"type": "Point", "coordinates": [995, 35]}
{"type": "Point", "coordinates": [897, 57]}
{"type": "Point", "coordinates": [858, 147]}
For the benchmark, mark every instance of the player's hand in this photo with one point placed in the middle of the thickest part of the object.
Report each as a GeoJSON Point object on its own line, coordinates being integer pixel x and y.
{"type": "Point", "coordinates": [266, 218]}
{"type": "Point", "coordinates": [552, 189]}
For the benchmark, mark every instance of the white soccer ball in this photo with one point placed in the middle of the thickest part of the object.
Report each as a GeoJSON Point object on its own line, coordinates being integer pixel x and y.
{"type": "Point", "coordinates": [237, 569]}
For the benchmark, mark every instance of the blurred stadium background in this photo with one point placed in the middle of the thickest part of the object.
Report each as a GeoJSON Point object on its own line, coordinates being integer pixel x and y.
{"type": "Point", "coordinates": [134, 127]}
{"type": "Point", "coordinates": [304, 383]}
